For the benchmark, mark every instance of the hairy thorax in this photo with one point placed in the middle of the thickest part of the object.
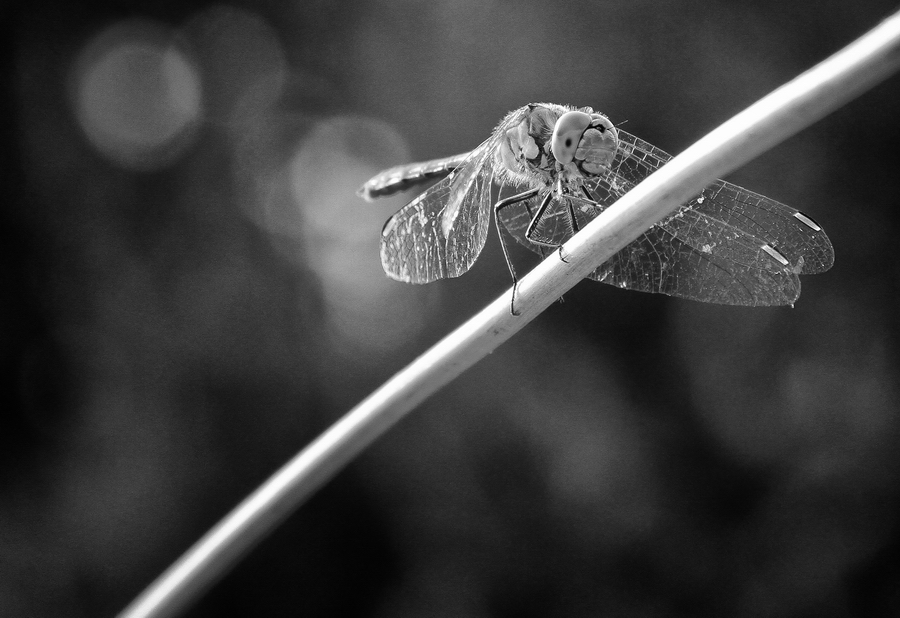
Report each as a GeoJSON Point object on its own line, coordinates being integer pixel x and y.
{"type": "Point", "coordinates": [526, 154]}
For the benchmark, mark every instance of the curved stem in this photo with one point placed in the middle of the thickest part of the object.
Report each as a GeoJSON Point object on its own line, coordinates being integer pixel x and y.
{"type": "Point", "coordinates": [774, 118]}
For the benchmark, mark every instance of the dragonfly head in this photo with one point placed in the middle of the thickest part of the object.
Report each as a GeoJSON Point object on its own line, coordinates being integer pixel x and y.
{"type": "Point", "coordinates": [588, 139]}
{"type": "Point", "coordinates": [543, 142]}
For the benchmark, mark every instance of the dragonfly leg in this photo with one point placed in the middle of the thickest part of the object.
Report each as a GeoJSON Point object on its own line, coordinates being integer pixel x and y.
{"type": "Point", "coordinates": [587, 199]}
{"type": "Point", "coordinates": [573, 223]}
{"type": "Point", "coordinates": [515, 199]}
{"type": "Point", "coordinates": [537, 218]}
{"type": "Point", "coordinates": [534, 223]}
{"type": "Point", "coordinates": [541, 249]}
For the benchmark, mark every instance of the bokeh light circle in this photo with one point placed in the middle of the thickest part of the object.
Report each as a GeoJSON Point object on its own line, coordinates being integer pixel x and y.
{"type": "Point", "coordinates": [136, 95]}
{"type": "Point", "coordinates": [340, 231]}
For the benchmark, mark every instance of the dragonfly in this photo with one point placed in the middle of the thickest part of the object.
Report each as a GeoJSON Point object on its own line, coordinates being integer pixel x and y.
{"type": "Point", "coordinates": [566, 165]}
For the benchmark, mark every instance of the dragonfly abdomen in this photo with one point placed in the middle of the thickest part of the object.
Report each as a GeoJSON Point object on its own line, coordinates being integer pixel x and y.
{"type": "Point", "coordinates": [404, 177]}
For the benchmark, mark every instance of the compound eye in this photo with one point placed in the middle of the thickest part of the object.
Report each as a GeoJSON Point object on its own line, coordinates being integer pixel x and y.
{"type": "Point", "coordinates": [567, 135]}
{"type": "Point", "coordinates": [601, 123]}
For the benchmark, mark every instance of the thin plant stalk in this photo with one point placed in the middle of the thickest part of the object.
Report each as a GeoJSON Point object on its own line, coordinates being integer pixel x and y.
{"type": "Point", "coordinates": [792, 107]}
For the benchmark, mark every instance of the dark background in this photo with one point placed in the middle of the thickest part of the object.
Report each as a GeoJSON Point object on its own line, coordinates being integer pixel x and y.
{"type": "Point", "coordinates": [192, 292]}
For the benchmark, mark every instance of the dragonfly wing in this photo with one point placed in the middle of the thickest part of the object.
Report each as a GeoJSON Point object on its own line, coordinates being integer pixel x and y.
{"type": "Point", "coordinates": [416, 247]}
{"type": "Point", "coordinates": [797, 237]}
{"type": "Point", "coordinates": [728, 245]}
{"type": "Point", "coordinates": [720, 248]}
{"type": "Point", "coordinates": [554, 227]}
{"type": "Point", "coordinates": [440, 233]}
{"type": "Point", "coordinates": [662, 263]}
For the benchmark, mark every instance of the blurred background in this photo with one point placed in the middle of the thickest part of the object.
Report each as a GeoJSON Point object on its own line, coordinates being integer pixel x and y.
{"type": "Point", "coordinates": [192, 292]}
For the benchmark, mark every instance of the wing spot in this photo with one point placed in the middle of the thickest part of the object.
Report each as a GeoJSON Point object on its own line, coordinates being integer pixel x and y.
{"type": "Point", "coordinates": [776, 254]}
{"type": "Point", "coordinates": [807, 221]}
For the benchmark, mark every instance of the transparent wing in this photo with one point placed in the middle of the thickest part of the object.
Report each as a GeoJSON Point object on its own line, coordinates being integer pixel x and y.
{"type": "Point", "coordinates": [728, 245]}
{"type": "Point", "coordinates": [555, 226]}
{"type": "Point", "coordinates": [660, 262]}
{"type": "Point", "coordinates": [441, 232]}
{"type": "Point", "coordinates": [723, 205]}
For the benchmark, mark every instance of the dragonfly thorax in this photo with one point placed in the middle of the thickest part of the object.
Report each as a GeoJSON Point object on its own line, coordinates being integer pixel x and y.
{"type": "Point", "coordinates": [551, 143]}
